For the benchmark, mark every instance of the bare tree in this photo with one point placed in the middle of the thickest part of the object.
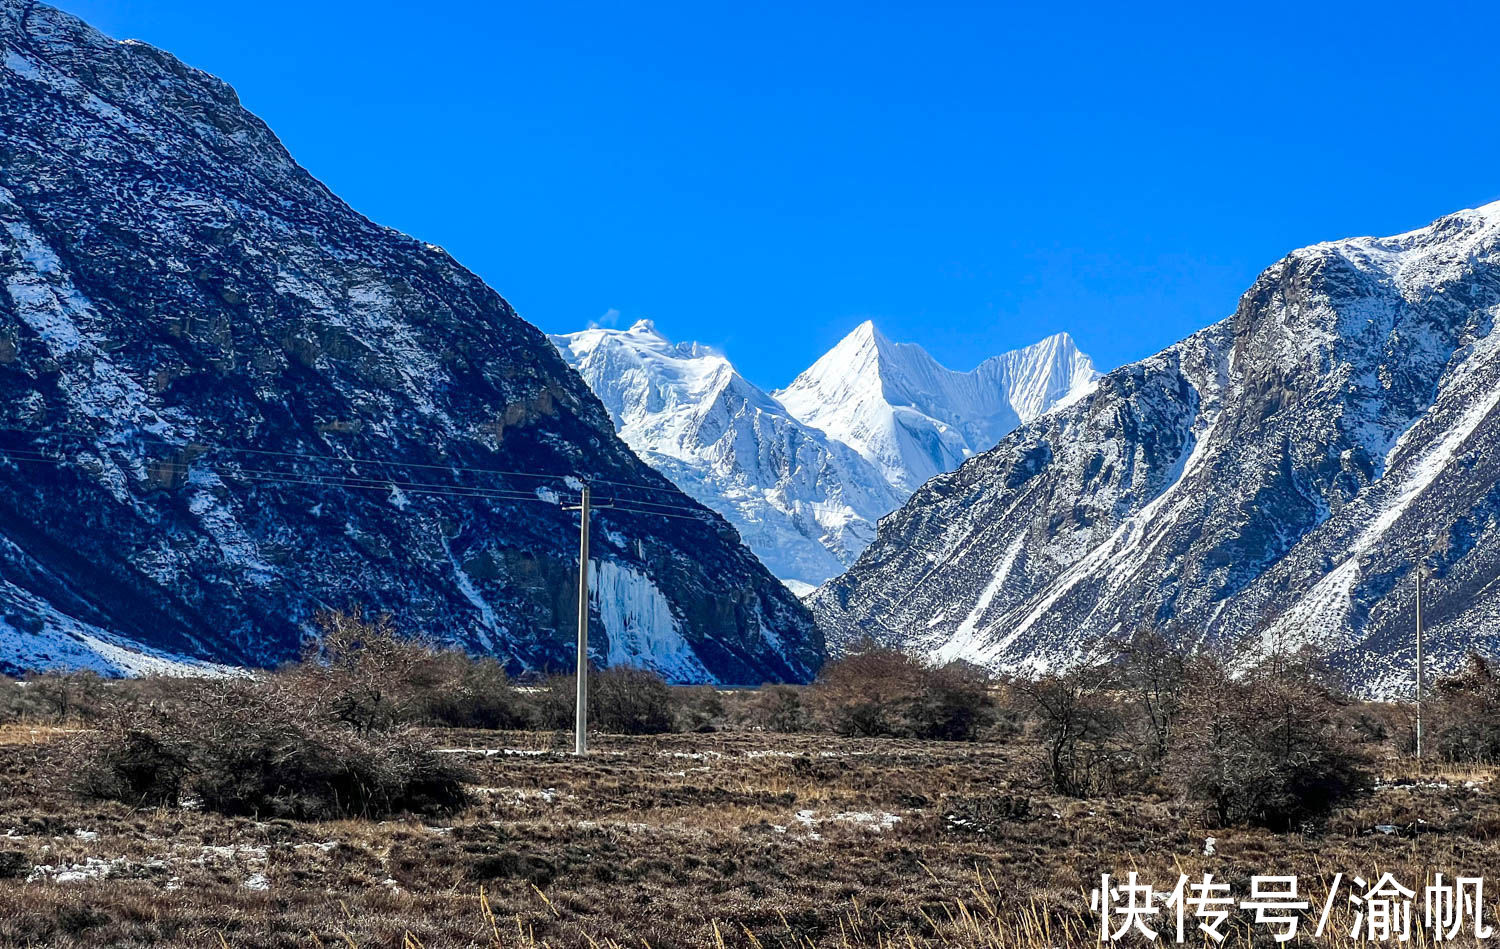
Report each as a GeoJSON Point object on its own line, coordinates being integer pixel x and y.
{"type": "Point", "coordinates": [1155, 675]}
{"type": "Point", "coordinates": [1080, 725]}
{"type": "Point", "coordinates": [364, 670]}
{"type": "Point", "coordinates": [1269, 745]}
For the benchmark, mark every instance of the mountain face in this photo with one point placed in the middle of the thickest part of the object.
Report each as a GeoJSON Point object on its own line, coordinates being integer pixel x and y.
{"type": "Point", "coordinates": [912, 418]}
{"type": "Point", "coordinates": [227, 400]}
{"type": "Point", "coordinates": [1276, 477]}
{"type": "Point", "coordinates": [805, 480]}
{"type": "Point", "coordinates": [806, 504]}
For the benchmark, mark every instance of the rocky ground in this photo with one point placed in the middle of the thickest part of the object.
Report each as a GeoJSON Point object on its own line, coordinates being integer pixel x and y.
{"type": "Point", "coordinates": [682, 840]}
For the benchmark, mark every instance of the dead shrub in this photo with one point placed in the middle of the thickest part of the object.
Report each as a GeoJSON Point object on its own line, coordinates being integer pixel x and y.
{"type": "Point", "coordinates": [624, 700]}
{"type": "Point", "coordinates": [1464, 713]}
{"type": "Point", "coordinates": [1080, 726]}
{"type": "Point", "coordinates": [775, 708]}
{"type": "Point", "coordinates": [553, 703]}
{"type": "Point", "coordinates": [880, 692]}
{"type": "Point", "coordinates": [1154, 674]}
{"type": "Point", "coordinates": [60, 696]}
{"type": "Point", "coordinates": [630, 701]}
{"type": "Point", "coordinates": [460, 691]}
{"type": "Point", "coordinates": [376, 678]}
{"type": "Point", "coordinates": [139, 756]}
{"type": "Point", "coordinates": [697, 708]}
{"type": "Point", "coordinates": [265, 756]}
{"type": "Point", "coordinates": [316, 741]}
{"type": "Point", "coordinates": [1269, 747]}
{"type": "Point", "coordinates": [362, 671]}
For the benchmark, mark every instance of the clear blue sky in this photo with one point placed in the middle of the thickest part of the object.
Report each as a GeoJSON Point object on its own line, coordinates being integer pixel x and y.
{"type": "Point", "coordinates": [762, 176]}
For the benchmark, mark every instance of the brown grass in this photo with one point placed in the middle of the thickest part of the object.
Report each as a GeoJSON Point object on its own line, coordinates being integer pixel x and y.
{"type": "Point", "coordinates": [677, 841]}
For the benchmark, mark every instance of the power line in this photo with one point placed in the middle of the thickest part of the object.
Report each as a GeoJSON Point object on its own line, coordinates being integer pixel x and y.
{"type": "Point", "coordinates": [355, 481]}
{"type": "Point", "coordinates": [334, 481]}
{"type": "Point", "coordinates": [314, 456]}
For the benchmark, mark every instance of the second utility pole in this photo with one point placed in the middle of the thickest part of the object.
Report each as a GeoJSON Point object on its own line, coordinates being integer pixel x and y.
{"type": "Point", "coordinates": [1421, 572]}
{"type": "Point", "coordinates": [581, 712]}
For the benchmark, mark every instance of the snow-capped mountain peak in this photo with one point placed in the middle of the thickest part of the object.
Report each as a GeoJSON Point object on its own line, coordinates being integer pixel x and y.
{"type": "Point", "coordinates": [805, 491]}
{"type": "Point", "coordinates": [805, 504]}
{"type": "Point", "coordinates": [912, 417]}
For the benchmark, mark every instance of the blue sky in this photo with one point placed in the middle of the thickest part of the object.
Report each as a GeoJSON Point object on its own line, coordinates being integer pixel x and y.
{"type": "Point", "coordinates": [762, 177]}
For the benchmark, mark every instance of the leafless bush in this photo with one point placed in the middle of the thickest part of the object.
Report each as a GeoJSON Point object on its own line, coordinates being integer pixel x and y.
{"type": "Point", "coordinates": [1268, 747]}
{"type": "Point", "coordinates": [264, 755]}
{"type": "Point", "coordinates": [886, 693]}
{"type": "Point", "coordinates": [697, 708]}
{"type": "Point", "coordinates": [460, 691]}
{"type": "Point", "coordinates": [1081, 728]}
{"type": "Point", "coordinates": [1154, 675]}
{"type": "Point", "coordinates": [316, 741]}
{"type": "Point", "coordinates": [258, 749]}
{"type": "Point", "coordinates": [1464, 713]}
{"type": "Point", "coordinates": [366, 674]}
{"type": "Point", "coordinates": [141, 755]}
{"type": "Point", "coordinates": [622, 699]}
{"type": "Point", "coordinates": [775, 708]}
{"type": "Point", "coordinates": [630, 701]}
{"type": "Point", "coordinates": [553, 703]}
{"type": "Point", "coordinates": [58, 696]}
{"type": "Point", "coordinates": [375, 678]}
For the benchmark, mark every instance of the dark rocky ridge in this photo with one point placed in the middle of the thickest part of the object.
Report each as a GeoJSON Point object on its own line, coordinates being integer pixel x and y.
{"type": "Point", "coordinates": [179, 289]}
{"type": "Point", "coordinates": [1279, 474]}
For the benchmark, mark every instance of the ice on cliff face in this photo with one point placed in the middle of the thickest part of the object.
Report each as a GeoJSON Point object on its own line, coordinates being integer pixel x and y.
{"type": "Point", "coordinates": [228, 400]}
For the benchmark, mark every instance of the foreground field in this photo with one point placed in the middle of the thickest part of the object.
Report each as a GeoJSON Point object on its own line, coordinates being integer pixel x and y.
{"type": "Point", "coordinates": [737, 839]}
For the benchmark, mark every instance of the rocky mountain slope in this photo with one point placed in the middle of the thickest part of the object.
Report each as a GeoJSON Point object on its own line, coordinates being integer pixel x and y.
{"type": "Point", "coordinates": [227, 399]}
{"type": "Point", "coordinates": [1275, 477]}
{"type": "Point", "coordinates": [805, 482]}
{"type": "Point", "coordinates": [913, 418]}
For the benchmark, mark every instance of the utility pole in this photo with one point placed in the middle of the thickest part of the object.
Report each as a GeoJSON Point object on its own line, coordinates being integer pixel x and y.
{"type": "Point", "coordinates": [1421, 573]}
{"type": "Point", "coordinates": [581, 707]}
{"type": "Point", "coordinates": [581, 711]}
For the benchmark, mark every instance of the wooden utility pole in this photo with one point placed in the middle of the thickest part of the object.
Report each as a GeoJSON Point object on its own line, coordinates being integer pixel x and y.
{"type": "Point", "coordinates": [581, 712]}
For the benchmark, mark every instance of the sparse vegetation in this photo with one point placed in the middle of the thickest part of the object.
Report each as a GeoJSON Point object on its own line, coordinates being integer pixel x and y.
{"type": "Point", "coordinates": [1464, 712]}
{"type": "Point", "coordinates": [630, 701]}
{"type": "Point", "coordinates": [1079, 726]}
{"type": "Point", "coordinates": [157, 811]}
{"type": "Point", "coordinates": [323, 739]}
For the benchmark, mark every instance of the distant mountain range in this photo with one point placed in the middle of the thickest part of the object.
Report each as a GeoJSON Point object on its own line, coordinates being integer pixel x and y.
{"type": "Point", "coordinates": [805, 473]}
{"type": "Point", "coordinates": [227, 400]}
{"type": "Point", "coordinates": [1276, 477]}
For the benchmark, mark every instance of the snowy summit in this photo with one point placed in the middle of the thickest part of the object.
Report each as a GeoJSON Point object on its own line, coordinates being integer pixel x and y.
{"type": "Point", "coordinates": [805, 474]}
{"type": "Point", "coordinates": [912, 417]}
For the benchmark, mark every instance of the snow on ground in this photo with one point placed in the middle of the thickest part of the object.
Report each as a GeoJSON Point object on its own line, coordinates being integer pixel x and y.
{"type": "Point", "coordinates": [34, 635]}
{"type": "Point", "coordinates": [876, 821]}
